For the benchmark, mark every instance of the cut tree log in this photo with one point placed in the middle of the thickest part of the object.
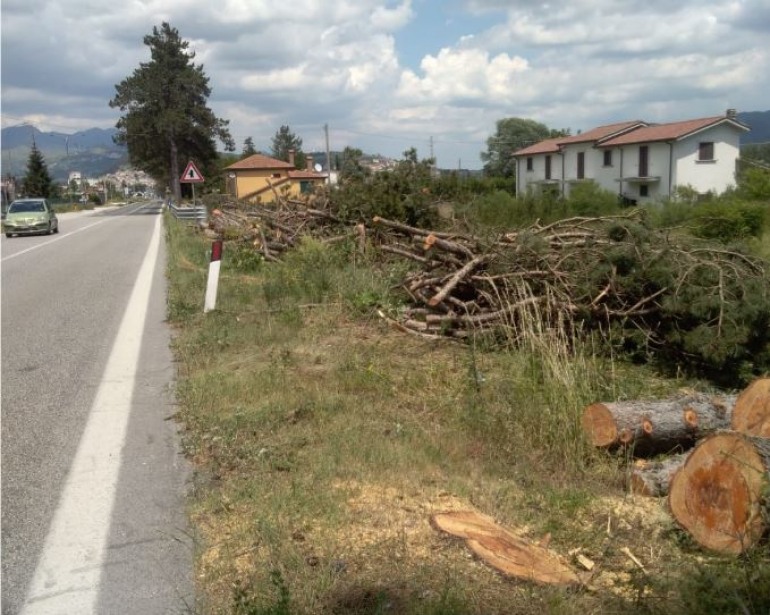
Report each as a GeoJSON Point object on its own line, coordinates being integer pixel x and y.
{"type": "Point", "coordinates": [653, 478]}
{"type": "Point", "coordinates": [653, 427]}
{"type": "Point", "coordinates": [751, 414]}
{"type": "Point", "coordinates": [503, 550]}
{"type": "Point", "coordinates": [717, 495]}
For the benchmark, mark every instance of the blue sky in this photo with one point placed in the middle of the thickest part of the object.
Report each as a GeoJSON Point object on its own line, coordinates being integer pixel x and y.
{"type": "Point", "coordinates": [387, 76]}
{"type": "Point", "coordinates": [438, 25]}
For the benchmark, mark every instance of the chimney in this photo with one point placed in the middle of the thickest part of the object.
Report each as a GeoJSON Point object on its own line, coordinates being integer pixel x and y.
{"type": "Point", "coordinates": [731, 113]}
{"type": "Point", "coordinates": [309, 159]}
{"type": "Point", "coordinates": [291, 157]}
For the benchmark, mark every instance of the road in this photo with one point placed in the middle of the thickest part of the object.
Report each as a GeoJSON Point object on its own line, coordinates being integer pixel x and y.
{"type": "Point", "coordinates": [93, 481]}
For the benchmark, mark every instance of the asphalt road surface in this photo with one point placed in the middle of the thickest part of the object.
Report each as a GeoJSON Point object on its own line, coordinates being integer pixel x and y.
{"type": "Point", "coordinates": [93, 481]}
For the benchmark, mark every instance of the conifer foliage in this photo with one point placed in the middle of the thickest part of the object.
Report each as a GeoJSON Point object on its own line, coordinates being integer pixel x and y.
{"type": "Point", "coordinates": [166, 120]}
{"type": "Point", "coordinates": [37, 181]}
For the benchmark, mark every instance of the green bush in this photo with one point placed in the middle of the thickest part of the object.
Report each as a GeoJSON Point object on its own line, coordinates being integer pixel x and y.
{"type": "Point", "coordinates": [590, 199]}
{"type": "Point", "coordinates": [726, 221]}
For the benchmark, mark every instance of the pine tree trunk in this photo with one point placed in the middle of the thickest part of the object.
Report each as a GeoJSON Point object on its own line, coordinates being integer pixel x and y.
{"type": "Point", "coordinates": [717, 495]}
{"type": "Point", "coordinates": [176, 187]}
{"type": "Point", "coordinates": [653, 478]}
{"type": "Point", "coordinates": [652, 427]}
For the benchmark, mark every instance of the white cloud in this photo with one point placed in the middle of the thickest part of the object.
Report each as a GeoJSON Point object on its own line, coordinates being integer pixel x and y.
{"type": "Point", "coordinates": [575, 63]}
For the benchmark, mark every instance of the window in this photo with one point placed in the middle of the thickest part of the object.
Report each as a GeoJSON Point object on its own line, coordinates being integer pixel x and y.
{"type": "Point", "coordinates": [548, 167]}
{"type": "Point", "coordinates": [276, 176]}
{"type": "Point", "coordinates": [608, 158]}
{"type": "Point", "coordinates": [581, 165]}
{"type": "Point", "coordinates": [644, 190]}
{"type": "Point", "coordinates": [644, 153]}
{"type": "Point", "coordinates": [705, 151]}
{"type": "Point", "coordinates": [529, 164]}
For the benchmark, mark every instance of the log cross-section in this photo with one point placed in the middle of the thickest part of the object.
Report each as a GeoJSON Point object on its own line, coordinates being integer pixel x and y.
{"type": "Point", "coordinates": [718, 494]}
{"type": "Point", "coordinates": [752, 409]}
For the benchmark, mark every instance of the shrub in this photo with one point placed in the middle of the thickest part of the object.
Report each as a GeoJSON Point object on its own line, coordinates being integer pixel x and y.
{"type": "Point", "coordinates": [727, 221]}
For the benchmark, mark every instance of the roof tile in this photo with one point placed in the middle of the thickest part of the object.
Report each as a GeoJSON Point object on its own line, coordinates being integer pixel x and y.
{"type": "Point", "coordinates": [602, 132]}
{"type": "Point", "coordinates": [547, 146]}
{"type": "Point", "coordinates": [669, 132]}
{"type": "Point", "coordinates": [259, 161]}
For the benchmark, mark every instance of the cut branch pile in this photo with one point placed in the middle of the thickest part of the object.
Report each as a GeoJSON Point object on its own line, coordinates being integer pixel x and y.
{"type": "Point", "coordinates": [274, 230]}
{"type": "Point", "coordinates": [674, 300]}
{"type": "Point", "coordinates": [668, 298]}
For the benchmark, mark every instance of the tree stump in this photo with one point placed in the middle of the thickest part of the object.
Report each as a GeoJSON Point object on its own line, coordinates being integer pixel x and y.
{"type": "Point", "coordinates": [653, 427]}
{"type": "Point", "coordinates": [717, 495]}
{"type": "Point", "coordinates": [503, 550]}
{"type": "Point", "coordinates": [653, 478]}
{"type": "Point", "coordinates": [751, 414]}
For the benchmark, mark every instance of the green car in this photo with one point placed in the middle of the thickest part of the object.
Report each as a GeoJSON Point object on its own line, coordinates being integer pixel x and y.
{"type": "Point", "coordinates": [30, 217]}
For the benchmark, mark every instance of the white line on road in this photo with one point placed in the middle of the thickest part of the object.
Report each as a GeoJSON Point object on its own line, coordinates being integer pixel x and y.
{"type": "Point", "coordinates": [50, 241]}
{"type": "Point", "coordinates": [68, 573]}
{"type": "Point", "coordinates": [64, 236]}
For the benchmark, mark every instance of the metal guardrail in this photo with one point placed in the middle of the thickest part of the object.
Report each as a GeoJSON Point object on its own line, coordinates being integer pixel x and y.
{"type": "Point", "coordinates": [197, 212]}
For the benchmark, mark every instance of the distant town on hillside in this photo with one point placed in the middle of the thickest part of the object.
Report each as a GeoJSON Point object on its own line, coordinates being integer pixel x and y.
{"type": "Point", "coordinates": [92, 153]}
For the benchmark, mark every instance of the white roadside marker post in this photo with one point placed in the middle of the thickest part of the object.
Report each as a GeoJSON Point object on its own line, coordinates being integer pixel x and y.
{"type": "Point", "coordinates": [213, 279]}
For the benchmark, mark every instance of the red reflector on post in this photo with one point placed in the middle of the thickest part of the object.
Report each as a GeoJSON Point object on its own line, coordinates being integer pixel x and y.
{"type": "Point", "coordinates": [216, 251]}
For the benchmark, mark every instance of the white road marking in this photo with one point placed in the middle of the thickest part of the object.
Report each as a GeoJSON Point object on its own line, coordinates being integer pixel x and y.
{"type": "Point", "coordinates": [68, 573]}
{"type": "Point", "coordinates": [50, 241]}
{"type": "Point", "coordinates": [65, 235]}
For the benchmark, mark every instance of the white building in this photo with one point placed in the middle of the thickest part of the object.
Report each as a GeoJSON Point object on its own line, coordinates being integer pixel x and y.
{"type": "Point", "coordinates": [639, 161]}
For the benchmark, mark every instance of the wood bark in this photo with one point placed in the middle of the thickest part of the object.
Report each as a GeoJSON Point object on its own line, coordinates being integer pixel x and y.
{"type": "Point", "coordinates": [717, 495]}
{"type": "Point", "coordinates": [652, 427]}
{"type": "Point", "coordinates": [653, 478]}
{"type": "Point", "coordinates": [752, 409]}
{"type": "Point", "coordinates": [503, 550]}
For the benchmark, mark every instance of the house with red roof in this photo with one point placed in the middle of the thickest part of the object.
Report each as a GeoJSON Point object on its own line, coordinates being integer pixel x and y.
{"type": "Point", "coordinates": [259, 178]}
{"type": "Point", "coordinates": [638, 160]}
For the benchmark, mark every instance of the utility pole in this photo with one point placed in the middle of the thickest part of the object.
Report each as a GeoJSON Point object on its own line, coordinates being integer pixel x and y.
{"type": "Point", "coordinates": [328, 155]}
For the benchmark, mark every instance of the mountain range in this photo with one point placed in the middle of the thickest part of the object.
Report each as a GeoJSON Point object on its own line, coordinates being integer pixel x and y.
{"type": "Point", "coordinates": [93, 152]}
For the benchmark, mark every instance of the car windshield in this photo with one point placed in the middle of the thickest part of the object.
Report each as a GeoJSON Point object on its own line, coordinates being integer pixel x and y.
{"type": "Point", "coordinates": [26, 207]}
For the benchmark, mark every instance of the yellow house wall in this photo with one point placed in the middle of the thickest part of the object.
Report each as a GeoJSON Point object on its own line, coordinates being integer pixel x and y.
{"type": "Point", "coordinates": [249, 182]}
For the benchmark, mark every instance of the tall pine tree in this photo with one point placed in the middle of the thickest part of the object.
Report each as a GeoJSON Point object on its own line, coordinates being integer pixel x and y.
{"type": "Point", "coordinates": [37, 181]}
{"type": "Point", "coordinates": [248, 148]}
{"type": "Point", "coordinates": [285, 140]}
{"type": "Point", "coordinates": [166, 120]}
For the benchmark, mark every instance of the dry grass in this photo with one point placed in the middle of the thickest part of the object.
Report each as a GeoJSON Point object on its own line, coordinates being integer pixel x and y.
{"type": "Point", "coordinates": [323, 442]}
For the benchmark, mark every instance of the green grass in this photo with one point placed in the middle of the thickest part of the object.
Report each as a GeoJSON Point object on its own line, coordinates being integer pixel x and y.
{"type": "Point", "coordinates": [323, 441]}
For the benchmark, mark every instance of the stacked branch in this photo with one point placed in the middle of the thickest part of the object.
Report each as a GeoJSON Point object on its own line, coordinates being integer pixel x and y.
{"type": "Point", "coordinates": [273, 230]}
{"type": "Point", "coordinates": [591, 271]}
{"type": "Point", "coordinates": [674, 300]}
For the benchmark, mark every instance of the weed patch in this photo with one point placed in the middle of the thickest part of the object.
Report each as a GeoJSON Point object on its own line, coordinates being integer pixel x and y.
{"type": "Point", "coordinates": [323, 441]}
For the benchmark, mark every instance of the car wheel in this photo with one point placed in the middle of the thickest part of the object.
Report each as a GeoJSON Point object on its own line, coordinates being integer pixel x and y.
{"type": "Point", "coordinates": [56, 230]}
{"type": "Point", "coordinates": [9, 235]}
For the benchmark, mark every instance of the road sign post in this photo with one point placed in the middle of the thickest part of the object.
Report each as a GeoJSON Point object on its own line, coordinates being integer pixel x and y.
{"type": "Point", "coordinates": [192, 176]}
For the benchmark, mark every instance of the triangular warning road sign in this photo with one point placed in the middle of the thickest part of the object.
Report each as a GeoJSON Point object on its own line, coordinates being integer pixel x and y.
{"type": "Point", "coordinates": [191, 174]}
